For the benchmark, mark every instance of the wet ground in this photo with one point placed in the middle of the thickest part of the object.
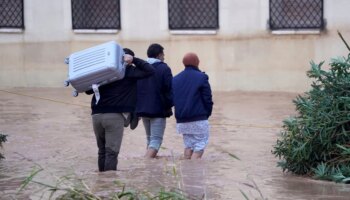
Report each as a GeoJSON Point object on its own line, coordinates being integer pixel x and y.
{"type": "Point", "coordinates": [49, 129]}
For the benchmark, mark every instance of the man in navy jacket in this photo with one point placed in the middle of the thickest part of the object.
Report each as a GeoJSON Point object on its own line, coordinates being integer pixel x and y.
{"type": "Point", "coordinates": [154, 99]}
{"type": "Point", "coordinates": [193, 106]}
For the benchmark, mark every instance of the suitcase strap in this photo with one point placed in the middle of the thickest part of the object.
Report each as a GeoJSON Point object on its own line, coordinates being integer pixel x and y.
{"type": "Point", "coordinates": [96, 91]}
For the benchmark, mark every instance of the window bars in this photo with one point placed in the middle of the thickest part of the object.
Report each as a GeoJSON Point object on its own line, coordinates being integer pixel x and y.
{"type": "Point", "coordinates": [96, 14]}
{"type": "Point", "coordinates": [296, 14]}
{"type": "Point", "coordinates": [193, 14]}
{"type": "Point", "coordinates": [11, 14]}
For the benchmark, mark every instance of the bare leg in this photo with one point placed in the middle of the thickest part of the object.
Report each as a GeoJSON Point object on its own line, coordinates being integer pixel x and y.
{"type": "Point", "coordinates": [188, 153]}
{"type": "Point", "coordinates": [197, 155]}
{"type": "Point", "coordinates": [151, 153]}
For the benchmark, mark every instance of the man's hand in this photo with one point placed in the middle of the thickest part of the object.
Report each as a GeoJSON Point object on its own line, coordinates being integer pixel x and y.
{"type": "Point", "coordinates": [128, 58]}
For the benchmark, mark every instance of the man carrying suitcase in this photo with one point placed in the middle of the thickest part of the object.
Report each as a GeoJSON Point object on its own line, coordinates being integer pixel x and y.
{"type": "Point", "coordinates": [117, 101]}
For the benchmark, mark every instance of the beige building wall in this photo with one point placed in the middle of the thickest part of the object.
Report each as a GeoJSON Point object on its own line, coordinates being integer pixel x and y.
{"type": "Point", "coordinates": [242, 55]}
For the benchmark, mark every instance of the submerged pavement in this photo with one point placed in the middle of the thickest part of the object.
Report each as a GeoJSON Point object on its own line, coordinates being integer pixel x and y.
{"type": "Point", "coordinates": [49, 129]}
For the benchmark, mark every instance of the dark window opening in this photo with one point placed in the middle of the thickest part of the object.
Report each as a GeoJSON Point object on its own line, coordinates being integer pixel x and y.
{"type": "Point", "coordinates": [11, 14]}
{"type": "Point", "coordinates": [193, 14]}
{"type": "Point", "coordinates": [96, 14]}
{"type": "Point", "coordinates": [296, 14]}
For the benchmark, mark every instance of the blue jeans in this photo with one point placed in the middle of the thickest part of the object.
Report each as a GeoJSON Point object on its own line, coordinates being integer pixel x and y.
{"type": "Point", "coordinates": [155, 128]}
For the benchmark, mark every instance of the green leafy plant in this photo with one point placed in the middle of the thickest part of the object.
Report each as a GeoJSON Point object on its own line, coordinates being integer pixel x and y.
{"type": "Point", "coordinates": [2, 140]}
{"type": "Point", "coordinates": [74, 188]}
{"type": "Point", "coordinates": [252, 185]}
{"type": "Point", "coordinates": [316, 142]}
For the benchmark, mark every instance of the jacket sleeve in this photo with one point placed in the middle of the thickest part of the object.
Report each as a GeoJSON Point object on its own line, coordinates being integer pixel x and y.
{"type": "Point", "coordinates": [141, 70]}
{"type": "Point", "coordinates": [167, 87]}
{"type": "Point", "coordinates": [207, 95]}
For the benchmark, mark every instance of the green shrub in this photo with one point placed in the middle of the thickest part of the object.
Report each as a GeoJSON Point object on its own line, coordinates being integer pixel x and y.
{"type": "Point", "coordinates": [316, 141]}
{"type": "Point", "coordinates": [2, 140]}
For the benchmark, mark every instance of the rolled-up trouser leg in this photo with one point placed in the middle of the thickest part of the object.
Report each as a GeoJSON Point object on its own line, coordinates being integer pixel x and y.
{"type": "Point", "coordinates": [147, 124]}
{"type": "Point", "coordinates": [157, 128]}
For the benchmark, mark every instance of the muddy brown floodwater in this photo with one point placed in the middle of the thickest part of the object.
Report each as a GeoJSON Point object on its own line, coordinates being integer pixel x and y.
{"type": "Point", "coordinates": [49, 129]}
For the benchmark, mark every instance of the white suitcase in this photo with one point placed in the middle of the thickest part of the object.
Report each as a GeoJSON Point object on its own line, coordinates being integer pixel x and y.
{"type": "Point", "coordinates": [98, 65]}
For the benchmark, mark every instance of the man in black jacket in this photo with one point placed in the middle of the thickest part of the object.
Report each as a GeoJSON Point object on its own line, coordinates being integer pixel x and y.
{"type": "Point", "coordinates": [117, 101]}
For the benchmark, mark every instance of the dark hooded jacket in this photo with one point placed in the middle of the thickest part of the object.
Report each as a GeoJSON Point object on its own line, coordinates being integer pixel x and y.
{"type": "Point", "coordinates": [155, 93]}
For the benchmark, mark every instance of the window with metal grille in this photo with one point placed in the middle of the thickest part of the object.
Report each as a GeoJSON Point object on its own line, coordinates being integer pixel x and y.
{"type": "Point", "coordinates": [193, 14]}
{"type": "Point", "coordinates": [296, 14]}
{"type": "Point", "coordinates": [11, 14]}
{"type": "Point", "coordinates": [96, 14]}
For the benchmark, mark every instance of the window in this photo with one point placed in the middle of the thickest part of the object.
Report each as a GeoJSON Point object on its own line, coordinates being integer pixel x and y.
{"type": "Point", "coordinates": [96, 14]}
{"type": "Point", "coordinates": [11, 14]}
{"type": "Point", "coordinates": [193, 14]}
{"type": "Point", "coordinates": [296, 14]}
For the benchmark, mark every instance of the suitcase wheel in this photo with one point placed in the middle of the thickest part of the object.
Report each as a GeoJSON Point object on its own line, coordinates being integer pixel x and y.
{"type": "Point", "coordinates": [75, 93]}
{"type": "Point", "coordinates": [66, 60]}
{"type": "Point", "coordinates": [66, 83]}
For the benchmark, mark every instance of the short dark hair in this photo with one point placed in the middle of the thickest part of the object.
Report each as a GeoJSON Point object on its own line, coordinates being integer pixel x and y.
{"type": "Point", "coordinates": [154, 50]}
{"type": "Point", "coordinates": [129, 51]}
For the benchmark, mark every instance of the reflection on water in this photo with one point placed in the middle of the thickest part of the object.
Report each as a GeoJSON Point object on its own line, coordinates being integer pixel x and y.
{"type": "Point", "coordinates": [193, 177]}
{"type": "Point", "coordinates": [168, 173]}
{"type": "Point", "coordinates": [49, 129]}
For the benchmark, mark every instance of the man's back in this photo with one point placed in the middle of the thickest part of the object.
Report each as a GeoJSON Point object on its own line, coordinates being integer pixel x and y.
{"type": "Point", "coordinates": [154, 93]}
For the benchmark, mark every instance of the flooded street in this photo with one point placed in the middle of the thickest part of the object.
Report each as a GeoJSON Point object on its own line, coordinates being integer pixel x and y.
{"type": "Point", "coordinates": [50, 129]}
